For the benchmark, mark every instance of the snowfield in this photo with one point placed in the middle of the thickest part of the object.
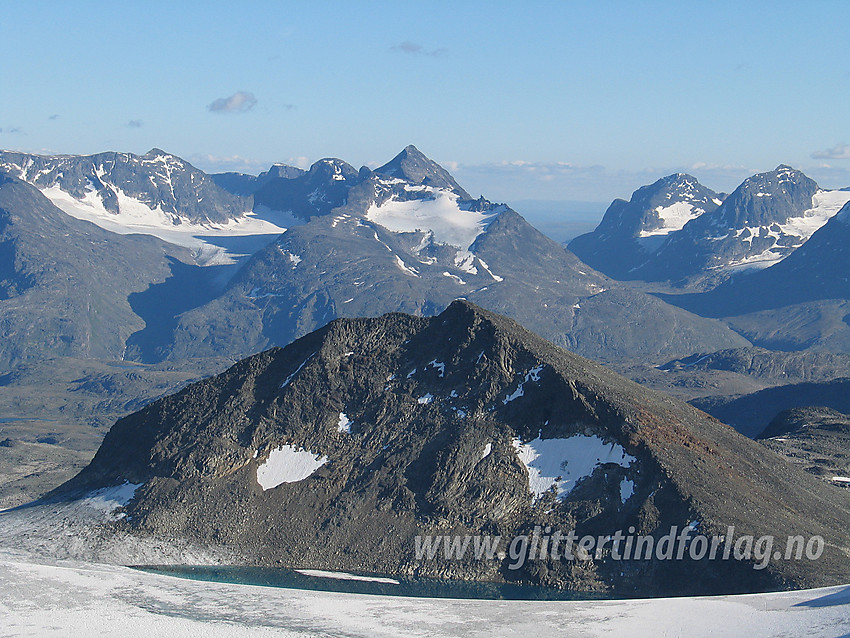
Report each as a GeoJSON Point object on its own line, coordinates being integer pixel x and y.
{"type": "Point", "coordinates": [441, 216]}
{"type": "Point", "coordinates": [562, 463]}
{"type": "Point", "coordinates": [47, 590]}
{"type": "Point", "coordinates": [136, 217]}
{"type": "Point", "coordinates": [79, 599]}
{"type": "Point", "coordinates": [288, 464]}
{"type": "Point", "coordinates": [673, 218]}
{"type": "Point", "coordinates": [344, 423]}
{"type": "Point", "coordinates": [825, 205]}
{"type": "Point", "coordinates": [109, 499]}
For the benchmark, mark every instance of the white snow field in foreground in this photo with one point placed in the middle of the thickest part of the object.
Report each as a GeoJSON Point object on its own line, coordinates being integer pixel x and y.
{"type": "Point", "coordinates": [77, 599]}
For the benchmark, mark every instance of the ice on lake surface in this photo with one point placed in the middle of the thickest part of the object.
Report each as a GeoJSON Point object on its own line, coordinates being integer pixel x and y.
{"type": "Point", "coordinates": [355, 583]}
{"type": "Point", "coordinates": [94, 599]}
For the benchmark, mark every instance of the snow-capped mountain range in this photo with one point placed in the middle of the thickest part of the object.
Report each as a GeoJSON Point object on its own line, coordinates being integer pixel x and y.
{"type": "Point", "coordinates": [677, 230]}
{"type": "Point", "coordinates": [800, 302]}
{"type": "Point", "coordinates": [630, 232]}
{"type": "Point", "coordinates": [406, 237]}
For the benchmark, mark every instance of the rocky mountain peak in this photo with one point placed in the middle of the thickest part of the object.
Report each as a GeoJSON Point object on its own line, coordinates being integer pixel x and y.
{"type": "Point", "coordinates": [659, 208]}
{"type": "Point", "coordinates": [111, 187]}
{"type": "Point", "coordinates": [767, 198]}
{"type": "Point", "coordinates": [400, 426]}
{"type": "Point", "coordinates": [632, 231]}
{"type": "Point", "coordinates": [309, 194]}
{"type": "Point", "coordinates": [412, 165]}
{"type": "Point", "coordinates": [154, 152]}
{"type": "Point", "coordinates": [281, 170]}
{"type": "Point", "coordinates": [677, 230]}
{"type": "Point", "coordinates": [333, 168]}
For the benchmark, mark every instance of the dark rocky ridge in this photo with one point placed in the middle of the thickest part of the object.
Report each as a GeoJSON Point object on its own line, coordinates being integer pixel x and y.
{"type": "Point", "coordinates": [410, 466]}
{"type": "Point", "coordinates": [815, 438]}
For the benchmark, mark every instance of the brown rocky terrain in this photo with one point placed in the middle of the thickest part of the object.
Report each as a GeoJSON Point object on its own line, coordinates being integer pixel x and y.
{"type": "Point", "coordinates": [434, 412]}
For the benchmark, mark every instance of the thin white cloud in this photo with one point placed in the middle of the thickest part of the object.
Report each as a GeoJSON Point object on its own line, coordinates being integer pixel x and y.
{"type": "Point", "coordinates": [239, 102]}
{"type": "Point", "coordinates": [299, 162]}
{"type": "Point", "coordinates": [524, 179]}
{"type": "Point", "coordinates": [706, 166]}
{"type": "Point", "coordinates": [135, 124]}
{"type": "Point", "coordinates": [828, 176]}
{"type": "Point", "coordinates": [224, 163]}
{"type": "Point", "coordinates": [839, 151]}
{"type": "Point", "coordinates": [559, 180]}
{"type": "Point", "coordinates": [414, 48]}
{"type": "Point", "coordinates": [538, 169]}
{"type": "Point", "coordinates": [210, 163]}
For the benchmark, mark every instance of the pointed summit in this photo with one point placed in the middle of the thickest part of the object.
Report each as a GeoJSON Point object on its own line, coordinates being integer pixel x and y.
{"type": "Point", "coordinates": [412, 165]}
{"type": "Point", "coordinates": [397, 426]}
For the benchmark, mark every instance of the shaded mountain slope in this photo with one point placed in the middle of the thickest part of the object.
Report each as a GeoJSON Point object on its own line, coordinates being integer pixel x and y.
{"type": "Point", "coordinates": [631, 232]}
{"type": "Point", "coordinates": [751, 413]}
{"type": "Point", "coordinates": [64, 283]}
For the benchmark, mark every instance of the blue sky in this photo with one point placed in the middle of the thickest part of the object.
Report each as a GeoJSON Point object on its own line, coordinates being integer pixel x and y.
{"type": "Point", "coordinates": [544, 100]}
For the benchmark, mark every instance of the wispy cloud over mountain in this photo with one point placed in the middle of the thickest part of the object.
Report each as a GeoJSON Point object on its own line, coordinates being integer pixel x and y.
{"type": "Point", "coordinates": [239, 102]}
{"type": "Point", "coordinates": [839, 151]}
{"type": "Point", "coordinates": [221, 163]}
{"type": "Point", "coordinates": [239, 163]}
{"type": "Point", "coordinates": [527, 179]}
